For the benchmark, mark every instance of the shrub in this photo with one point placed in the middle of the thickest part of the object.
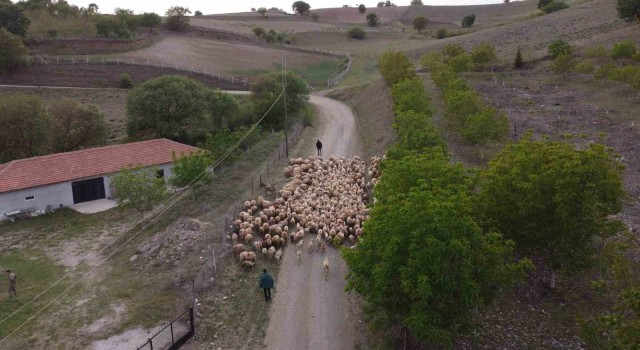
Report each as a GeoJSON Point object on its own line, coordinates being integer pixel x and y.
{"type": "Point", "coordinates": [625, 74]}
{"type": "Point", "coordinates": [604, 70]}
{"type": "Point", "coordinates": [487, 125]}
{"type": "Point", "coordinates": [543, 3]}
{"type": "Point", "coordinates": [636, 57]}
{"type": "Point", "coordinates": [125, 81]}
{"type": "Point", "coordinates": [362, 8]}
{"type": "Point", "coordinates": [563, 63]}
{"type": "Point", "coordinates": [483, 54]}
{"type": "Point", "coordinates": [468, 21]}
{"type": "Point", "coordinates": [12, 52]}
{"type": "Point", "coordinates": [409, 95]}
{"type": "Point", "coordinates": [453, 50]}
{"type": "Point", "coordinates": [395, 66]}
{"type": "Point", "coordinates": [356, 33]}
{"type": "Point", "coordinates": [596, 52]}
{"type": "Point", "coordinates": [460, 105]}
{"type": "Point", "coordinates": [372, 20]}
{"type": "Point", "coordinates": [314, 16]}
{"type": "Point", "coordinates": [431, 60]}
{"type": "Point", "coordinates": [623, 49]}
{"type": "Point", "coordinates": [52, 33]}
{"type": "Point", "coordinates": [558, 47]}
{"type": "Point", "coordinates": [25, 126]}
{"type": "Point", "coordinates": [75, 126]}
{"type": "Point", "coordinates": [460, 63]}
{"type": "Point", "coordinates": [420, 23]}
{"type": "Point", "coordinates": [519, 61]}
{"type": "Point", "coordinates": [628, 9]}
{"type": "Point", "coordinates": [258, 31]}
{"type": "Point", "coordinates": [585, 67]}
{"type": "Point", "coordinates": [555, 6]}
{"type": "Point", "coordinates": [441, 33]}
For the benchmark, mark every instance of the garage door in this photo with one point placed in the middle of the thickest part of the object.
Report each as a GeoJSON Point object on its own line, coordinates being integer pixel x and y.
{"type": "Point", "coordinates": [88, 190]}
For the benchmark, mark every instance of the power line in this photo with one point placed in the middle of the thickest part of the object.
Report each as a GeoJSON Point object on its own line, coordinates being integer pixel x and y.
{"type": "Point", "coordinates": [180, 194]}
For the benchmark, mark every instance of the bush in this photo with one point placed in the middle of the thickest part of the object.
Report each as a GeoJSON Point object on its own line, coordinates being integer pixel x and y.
{"type": "Point", "coordinates": [487, 125]}
{"type": "Point", "coordinates": [431, 60]}
{"type": "Point", "coordinates": [52, 33]}
{"type": "Point", "coordinates": [460, 105]}
{"type": "Point", "coordinates": [564, 63]}
{"type": "Point", "coordinates": [258, 31]}
{"type": "Point", "coordinates": [441, 33]}
{"type": "Point", "coordinates": [604, 70]}
{"type": "Point", "coordinates": [356, 33]}
{"type": "Point", "coordinates": [543, 3]}
{"type": "Point", "coordinates": [625, 74]}
{"type": "Point", "coordinates": [596, 52]}
{"type": "Point", "coordinates": [362, 8]}
{"type": "Point", "coordinates": [468, 21]}
{"type": "Point", "coordinates": [420, 23]}
{"type": "Point", "coordinates": [460, 63]}
{"type": "Point", "coordinates": [585, 67]}
{"type": "Point", "coordinates": [372, 20]}
{"type": "Point", "coordinates": [555, 6]}
{"type": "Point", "coordinates": [395, 66]}
{"type": "Point", "coordinates": [623, 49]}
{"type": "Point", "coordinates": [519, 61]}
{"type": "Point", "coordinates": [12, 52]}
{"type": "Point", "coordinates": [628, 9]}
{"type": "Point", "coordinates": [483, 54]}
{"type": "Point", "coordinates": [125, 81]}
{"type": "Point", "coordinates": [636, 57]}
{"type": "Point", "coordinates": [74, 126]}
{"type": "Point", "coordinates": [314, 16]}
{"type": "Point", "coordinates": [409, 95]}
{"type": "Point", "coordinates": [25, 126]}
{"type": "Point", "coordinates": [558, 47]}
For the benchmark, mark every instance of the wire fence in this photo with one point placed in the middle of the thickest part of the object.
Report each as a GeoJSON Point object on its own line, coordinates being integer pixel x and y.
{"type": "Point", "coordinates": [174, 334]}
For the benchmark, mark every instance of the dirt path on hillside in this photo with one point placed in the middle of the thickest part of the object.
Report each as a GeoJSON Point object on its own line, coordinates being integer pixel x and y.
{"type": "Point", "coordinates": [307, 311]}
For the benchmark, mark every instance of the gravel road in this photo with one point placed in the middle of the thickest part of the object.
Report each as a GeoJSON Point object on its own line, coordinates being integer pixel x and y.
{"type": "Point", "coordinates": [307, 311]}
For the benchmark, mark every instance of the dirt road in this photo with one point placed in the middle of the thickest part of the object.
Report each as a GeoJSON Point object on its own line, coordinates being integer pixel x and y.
{"type": "Point", "coordinates": [307, 311]}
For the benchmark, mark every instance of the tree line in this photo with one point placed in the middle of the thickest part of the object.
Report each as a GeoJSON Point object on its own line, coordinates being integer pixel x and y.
{"type": "Point", "coordinates": [442, 241]}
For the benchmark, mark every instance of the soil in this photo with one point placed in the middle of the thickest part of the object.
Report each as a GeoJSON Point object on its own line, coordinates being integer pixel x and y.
{"type": "Point", "coordinates": [337, 130]}
{"type": "Point", "coordinates": [89, 46]}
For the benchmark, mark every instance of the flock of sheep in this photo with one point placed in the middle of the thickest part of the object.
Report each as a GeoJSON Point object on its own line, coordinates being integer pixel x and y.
{"type": "Point", "coordinates": [323, 200]}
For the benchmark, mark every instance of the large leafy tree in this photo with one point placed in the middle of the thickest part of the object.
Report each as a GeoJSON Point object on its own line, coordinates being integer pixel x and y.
{"type": "Point", "coordinates": [24, 127]}
{"type": "Point", "coordinates": [408, 95]}
{"type": "Point", "coordinates": [13, 19]}
{"type": "Point", "coordinates": [138, 188]}
{"type": "Point", "coordinates": [12, 51]}
{"type": "Point", "coordinates": [178, 18]}
{"type": "Point", "coordinates": [423, 261]}
{"type": "Point", "coordinates": [301, 7]}
{"type": "Point", "coordinates": [150, 20]}
{"type": "Point", "coordinates": [552, 198]}
{"type": "Point", "coordinates": [372, 20]}
{"type": "Point", "coordinates": [74, 126]}
{"type": "Point", "coordinates": [420, 23]}
{"type": "Point", "coordinates": [395, 66]}
{"type": "Point", "coordinates": [265, 92]}
{"type": "Point", "coordinates": [177, 108]}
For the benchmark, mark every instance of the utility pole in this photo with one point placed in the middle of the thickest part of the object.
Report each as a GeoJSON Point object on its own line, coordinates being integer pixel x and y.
{"type": "Point", "coordinates": [286, 119]}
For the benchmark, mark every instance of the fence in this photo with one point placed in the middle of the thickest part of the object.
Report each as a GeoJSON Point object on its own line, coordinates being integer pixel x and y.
{"type": "Point", "coordinates": [336, 79]}
{"type": "Point", "coordinates": [174, 334]}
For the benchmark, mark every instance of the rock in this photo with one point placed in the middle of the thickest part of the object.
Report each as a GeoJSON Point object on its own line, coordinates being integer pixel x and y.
{"type": "Point", "coordinates": [133, 258]}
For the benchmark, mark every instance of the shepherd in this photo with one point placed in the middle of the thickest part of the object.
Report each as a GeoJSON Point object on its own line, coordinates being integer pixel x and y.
{"type": "Point", "coordinates": [319, 147]}
{"type": "Point", "coordinates": [266, 283]}
{"type": "Point", "coordinates": [12, 283]}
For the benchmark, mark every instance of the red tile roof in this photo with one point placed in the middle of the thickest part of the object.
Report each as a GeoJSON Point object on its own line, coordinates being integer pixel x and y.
{"type": "Point", "coordinates": [68, 166]}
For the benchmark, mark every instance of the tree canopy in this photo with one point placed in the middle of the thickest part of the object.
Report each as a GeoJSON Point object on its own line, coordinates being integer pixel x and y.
{"type": "Point", "coordinates": [150, 20]}
{"type": "Point", "coordinates": [138, 187]}
{"type": "Point", "coordinates": [265, 92]}
{"type": "Point", "coordinates": [395, 66]}
{"type": "Point", "coordinates": [24, 131]}
{"type": "Point", "coordinates": [372, 20]}
{"type": "Point", "coordinates": [301, 7]}
{"type": "Point", "coordinates": [362, 8]}
{"type": "Point", "coordinates": [13, 19]}
{"type": "Point", "coordinates": [178, 18]}
{"type": "Point", "coordinates": [420, 23]}
{"type": "Point", "coordinates": [552, 198]}
{"type": "Point", "coordinates": [468, 21]}
{"type": "Point", "coordinates": [74, 126]}
{"type": "Point", "coordinates": [177, 108]}
{"type": "Point", "coordinates": [628, 9]}
{"type": "Point", "coordinates": [12, 51]}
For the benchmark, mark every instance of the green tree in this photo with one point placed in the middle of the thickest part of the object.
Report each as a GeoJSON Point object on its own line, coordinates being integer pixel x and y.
{"type": "Point", "coordinates": [138, 188]}
{"type": "Point", "coordinates": [543, 3]}
{"type": "Point", "coordinates": [356, 33]}
{"type": "Point", "coordinates": [441, 33]}
{"type": "Point", "coordinates": [258, 31]}
{"type": "Point", "coordinates": [460, 63]}
{"type": "Point", "coordinates": [585, 67]}
{"type": "Point", "coordinates": [420, 23]}
{"type": "Point", "coordinates": [24, 131]}
{"type": "Point", "coordinates": [409, 95]}
{"type": "Point", "coordinates": [518, 62]}
{"type": "Point", "coordinates": [262, 11]}
{"type": "Point", "coordinates": [416, 2]}
{"type": "Point", "coordinates": [487, 125]}
{"type": "Point", "coordinates": [75, 126]}
{"type": "Point", "coordinates": [483, 55]}
{"type": "Point", "coordinates": [552, 198]}
{"type": "Point", "coordinates": [267, 88]}
{"type": "Point", "coordinates": [178, 18]}
{"type": "Point", "coordinates": [150, 20]}
{"type": "Point", "coordinates": [13, 53]}
{"type": "Point", "coordinates": [628, 9]}
{"type": "Point", "coordinates": [395, 66]}
{"type": "Point", "coordinates": [197, 13]}
{"type": "Point", "coordinates": [555, 6]}
{"type": "Point", "coordinates": [13, 19]}
{"type": "Point", "coordinates": [125, 81]}
{"type": "Point", "coordinates": [362, 8]}
{"type": "Point", "coordinates": [558, 47]}
{"type": "Point", "coordinates": [301, 7]}
{"type": "Point", "coordinates": [191, 170]}
{"type": "Point", "coordinates": [127, 20]}
{"type": "Point", "coordinates": [468, 21]}
{"type": "Point", "coordinates": [597, 51]}
{"type": "Point", "coordinates": [424, 262]}
{"type": "Point", "coordinates": [461, 104]}
{"type": "Point", "coordinates": [176, 108]}
{"type": "Point", "coordinates": [107, 26]}
{"type": "Point", "coordinates": [453, 50]}
{"type": "Point", "coordinates": [623, 49]}
{"type": "Point", "coordinates": [564, 63]}
{"type": "Point", "coordinates": [372, 20]}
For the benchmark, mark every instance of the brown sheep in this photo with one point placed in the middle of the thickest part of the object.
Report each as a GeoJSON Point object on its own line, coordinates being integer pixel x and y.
{"type": "Point", "coordinates": [238, 248]}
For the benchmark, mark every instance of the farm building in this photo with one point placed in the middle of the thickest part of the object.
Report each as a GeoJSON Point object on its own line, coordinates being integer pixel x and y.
{"type": "Point", "coordinates": [66, 179]}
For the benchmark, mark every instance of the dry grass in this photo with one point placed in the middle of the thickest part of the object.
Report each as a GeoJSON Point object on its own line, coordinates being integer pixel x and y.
{"type": "Point", "coordinates": [245, 26]}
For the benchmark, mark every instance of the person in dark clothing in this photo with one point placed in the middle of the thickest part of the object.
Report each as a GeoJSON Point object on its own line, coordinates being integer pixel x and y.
{"type": "Point", "coordinates": [319, 147]}
{"type": "Point", "coordinates": [266, 283]}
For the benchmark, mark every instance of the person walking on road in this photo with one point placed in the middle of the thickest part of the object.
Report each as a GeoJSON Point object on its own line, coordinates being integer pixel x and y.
{"type": "Point", "coordinates": [319, 147]}
{"type": "Point", "coordinates": [266, 283]}
{"type": "Point", "coordinates": [12, 284]}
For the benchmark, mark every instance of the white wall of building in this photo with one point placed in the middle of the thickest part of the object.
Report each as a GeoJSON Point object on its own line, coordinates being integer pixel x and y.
{"type": "Point", "coordinates": [54, 195]}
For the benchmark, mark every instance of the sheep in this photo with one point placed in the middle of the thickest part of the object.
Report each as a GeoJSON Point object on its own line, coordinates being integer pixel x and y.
{"type": "Point", "coordinates": [234, 238]}
{"type": "Point", "coordinates": [247, 238]}
{"type": "Point", "coordinates": [323, 248]}
{"type": "Point", "coordinates": [299, 256]}
{"type": "Point", "coordinates": [238, 248]}
{"type": "Point", "coordinates": [257, 245]}
{"type": "Point", "coordinates": [310, 247]}
{"type": "Point", "coordinates": [241, 256]}
{"type": "Point", "coordinates": [264, 251]}
{"type": "Point", "coordinates": [325, 267]}
{"type": "Point", "coordinates": [279, 256]}
{"type": "Point", "coordinates": [251, 256]}
{"type": "Point", "coordinates": [247, 265]}
{"type": "Point", "coordinates": [272, 252]}
{"type": "Point", "coordinates": [299, 245]}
